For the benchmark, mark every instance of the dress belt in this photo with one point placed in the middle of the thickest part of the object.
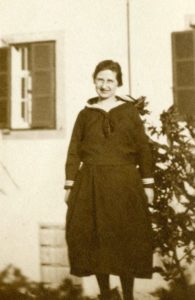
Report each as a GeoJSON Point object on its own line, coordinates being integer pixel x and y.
{"type": "Point", "coordinates": [131, 160]}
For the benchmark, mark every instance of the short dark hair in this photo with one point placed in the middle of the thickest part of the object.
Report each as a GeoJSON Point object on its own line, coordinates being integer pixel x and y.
{"type": "Point", "coordinates": [112, 66]}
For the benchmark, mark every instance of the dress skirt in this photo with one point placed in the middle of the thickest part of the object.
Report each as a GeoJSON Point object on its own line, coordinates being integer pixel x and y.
{"type": "Point", "coordinates": [108, 226]}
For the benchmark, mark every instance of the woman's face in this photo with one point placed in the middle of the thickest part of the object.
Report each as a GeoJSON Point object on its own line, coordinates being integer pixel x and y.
{"type": "Point", "coordinates": [106, 84]}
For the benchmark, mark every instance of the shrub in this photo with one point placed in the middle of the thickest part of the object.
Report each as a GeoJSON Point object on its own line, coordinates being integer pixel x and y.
{"type": "Point", "coordinates": [173, 210]}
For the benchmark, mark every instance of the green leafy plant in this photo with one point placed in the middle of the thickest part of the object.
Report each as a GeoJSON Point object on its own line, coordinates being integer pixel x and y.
{"type": "Point", "coordinates": [173, 210]}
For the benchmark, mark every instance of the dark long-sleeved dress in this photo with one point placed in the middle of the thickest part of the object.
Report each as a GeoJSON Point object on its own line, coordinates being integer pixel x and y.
{"type": "Point", "coordinates": [107, 224]}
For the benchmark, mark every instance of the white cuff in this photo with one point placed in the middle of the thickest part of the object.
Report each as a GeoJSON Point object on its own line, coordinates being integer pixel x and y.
{"type": "Point", "coordinates": [148, 180]}
{"type": "Point", "coordinates": [69, 182]}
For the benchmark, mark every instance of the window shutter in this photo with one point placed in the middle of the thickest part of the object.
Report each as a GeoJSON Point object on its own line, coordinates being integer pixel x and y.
{"type": "Point", "coordinates": [183, 54]}
{"type": "Point", "coordinates": [42, 60]}
{"type": "Point", "coordinates": [4, 87]}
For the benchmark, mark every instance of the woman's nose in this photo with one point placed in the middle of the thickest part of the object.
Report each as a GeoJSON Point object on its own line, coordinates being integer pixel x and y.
{"type": "Point", "coordinates": [104, 85]}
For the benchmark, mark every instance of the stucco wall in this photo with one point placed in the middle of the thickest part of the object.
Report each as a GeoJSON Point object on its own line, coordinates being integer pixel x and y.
{"type": "Point", "coordinates": [91, 31]}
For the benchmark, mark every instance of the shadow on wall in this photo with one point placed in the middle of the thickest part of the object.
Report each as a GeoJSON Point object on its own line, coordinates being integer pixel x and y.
{"type": "Point", "coordinates": [9, 176]}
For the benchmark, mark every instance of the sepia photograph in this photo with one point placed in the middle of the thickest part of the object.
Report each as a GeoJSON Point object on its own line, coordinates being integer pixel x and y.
{"type": "Point", "coordinates": [97, 149]}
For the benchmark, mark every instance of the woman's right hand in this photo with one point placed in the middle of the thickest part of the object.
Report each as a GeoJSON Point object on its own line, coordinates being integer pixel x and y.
{"type": "Point", "coordinates": [66, 197]}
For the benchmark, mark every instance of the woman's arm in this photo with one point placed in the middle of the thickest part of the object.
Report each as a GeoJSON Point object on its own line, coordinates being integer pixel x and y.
{"type": "Point", "coordinates": [73, 158]}
{"type": "Point", "coordinates": [144, 157]}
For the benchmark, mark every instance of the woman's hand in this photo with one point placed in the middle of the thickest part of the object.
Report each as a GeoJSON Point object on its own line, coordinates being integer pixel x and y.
{"type": "Point", "coordinates": [66, 197]}
{"type": "Point", "coordinates": [150, 195]}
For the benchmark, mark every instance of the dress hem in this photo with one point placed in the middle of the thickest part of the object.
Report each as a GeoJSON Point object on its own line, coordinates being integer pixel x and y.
{"type": "Point", "coordinates": [134, 274]}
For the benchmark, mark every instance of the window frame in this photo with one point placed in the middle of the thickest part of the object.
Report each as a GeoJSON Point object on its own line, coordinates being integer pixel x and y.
{"type": "Point", "coordinates": [59, 130]}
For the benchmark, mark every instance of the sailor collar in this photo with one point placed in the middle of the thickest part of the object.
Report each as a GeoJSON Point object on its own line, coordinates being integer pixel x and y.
{"type": "Point", "coordinates": [93, 102]}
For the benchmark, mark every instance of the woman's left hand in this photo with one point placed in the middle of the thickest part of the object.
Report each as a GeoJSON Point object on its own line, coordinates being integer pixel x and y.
{"type": "Point", "coordinates": [150, 195]}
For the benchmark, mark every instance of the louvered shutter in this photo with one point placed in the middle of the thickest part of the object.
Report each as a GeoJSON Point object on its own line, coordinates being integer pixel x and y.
{"type": "Point", "coordinates": [42, 60]}
{"type": "Point", "coordinates": [183, 53]}
{"type": "Point", "coordinates": [4, 87]}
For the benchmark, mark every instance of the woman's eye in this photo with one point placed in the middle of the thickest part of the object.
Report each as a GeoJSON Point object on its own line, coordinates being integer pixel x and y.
{"type": "Point", "coordinates": [99, 80]}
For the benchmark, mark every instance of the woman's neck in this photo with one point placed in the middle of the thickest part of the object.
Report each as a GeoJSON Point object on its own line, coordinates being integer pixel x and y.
{"type": "Point", "coordinates": [107, 100]}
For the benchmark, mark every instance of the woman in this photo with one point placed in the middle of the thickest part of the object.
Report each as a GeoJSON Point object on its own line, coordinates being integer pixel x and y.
{"type": "Point", "coordinates": [108, 229]}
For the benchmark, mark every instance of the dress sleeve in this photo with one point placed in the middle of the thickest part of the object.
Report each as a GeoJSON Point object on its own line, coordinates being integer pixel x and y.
{"type": "Point", "coordinates": [144, 153]}
{"type": "Point", "coordinates": [73, 158]}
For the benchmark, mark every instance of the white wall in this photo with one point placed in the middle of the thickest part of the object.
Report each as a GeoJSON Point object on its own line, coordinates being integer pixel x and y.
{"type": "Point", "coordinates": [91, 30]}
{"type": "Point", "coordinates": [152, 22]}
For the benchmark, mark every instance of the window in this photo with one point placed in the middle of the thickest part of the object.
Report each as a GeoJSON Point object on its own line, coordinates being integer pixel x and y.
{"type": "Point", "coordinates": [27, 86]}
{"type": "Point", "coordinates": [183, 50]}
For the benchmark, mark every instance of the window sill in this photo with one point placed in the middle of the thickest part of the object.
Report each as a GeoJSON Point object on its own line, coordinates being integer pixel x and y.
{"type": "Point", "coordinates": [31, 134]}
